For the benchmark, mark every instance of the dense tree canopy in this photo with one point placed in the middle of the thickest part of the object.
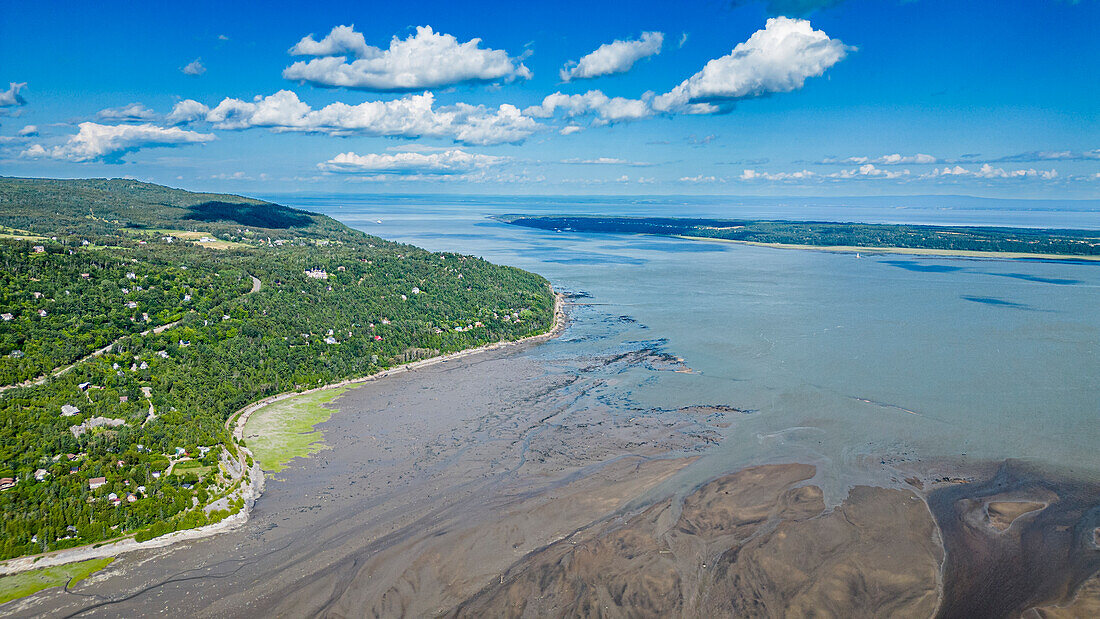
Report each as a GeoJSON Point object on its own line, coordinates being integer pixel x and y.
{"type": "Point", "coordinates": [332, 303]}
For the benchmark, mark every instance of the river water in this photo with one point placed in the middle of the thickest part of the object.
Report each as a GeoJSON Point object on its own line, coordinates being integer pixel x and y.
{"type": "Point", "coordinates": [437, 483]}
{"type": "Point", "coordinates": [854, 364]}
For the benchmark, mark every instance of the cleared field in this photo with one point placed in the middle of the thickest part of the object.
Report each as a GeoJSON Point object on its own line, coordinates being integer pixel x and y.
{"type": "Point", "coordinates": [192, 236]}
{"type": "Point", "coordinates": [15, 233]}
{"type": "Point", "coordinates": [26, 583]}
{"type": "Point", "coordinates": [191, 466]}
{"type": "Point", "coordinates": [284, 430]}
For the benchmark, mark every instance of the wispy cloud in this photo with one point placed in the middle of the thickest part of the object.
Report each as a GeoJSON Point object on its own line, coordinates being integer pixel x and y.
{"type": "Point", "coordinates": [797, 8]}
{"type": "Point", "coordinates": [1042, 155]}
{"type": "Point", "coordinates": [895, 159]}
{"type": "Point", "coordinates": [605, 161]}
{"type": "Point", "coordinates": [134, 112]}
{"type": "Point", "coordinates": [869, 171]}
{"type": "Point", "coordinates": [618, 56]}
{"type": "Point", "coordinates": [922, 159]}
{"type": "Point", "coordinates": [448, 162]}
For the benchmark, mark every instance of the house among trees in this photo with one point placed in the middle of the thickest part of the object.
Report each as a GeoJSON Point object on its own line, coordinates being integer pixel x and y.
{"type": "Point", "coordinates": [68, 410]}
{"type": "Point", "coordinates": [96, 482]}
{"type": "Point", "coordinates": [6, 483]}
{"type": "Point", "coordinates": [38, 249]}
{"type": "Point", "coordinates": [316, 274]}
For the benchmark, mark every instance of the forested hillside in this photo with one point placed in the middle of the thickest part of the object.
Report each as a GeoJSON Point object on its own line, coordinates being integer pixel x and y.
{"type": "Point", "coordinates": [174, 310]}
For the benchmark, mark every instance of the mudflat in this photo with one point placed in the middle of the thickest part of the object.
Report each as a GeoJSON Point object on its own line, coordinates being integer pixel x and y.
{"type": "Point", "coordinates": [512, 484]}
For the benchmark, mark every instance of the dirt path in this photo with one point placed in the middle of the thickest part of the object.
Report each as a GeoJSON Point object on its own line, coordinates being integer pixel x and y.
{"type": "Point", "coordinates": [256, 285]}
{"type": "Point", "coordinates": [95, 353]}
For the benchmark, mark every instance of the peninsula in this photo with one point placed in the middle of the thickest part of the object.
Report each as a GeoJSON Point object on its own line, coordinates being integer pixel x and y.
{"type": "Point", "coordinates": [965, 241]}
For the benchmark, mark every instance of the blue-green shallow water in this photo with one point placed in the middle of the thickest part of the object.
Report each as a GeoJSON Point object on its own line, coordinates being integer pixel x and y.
{"type": "Point", "coordinates": [845, 362]}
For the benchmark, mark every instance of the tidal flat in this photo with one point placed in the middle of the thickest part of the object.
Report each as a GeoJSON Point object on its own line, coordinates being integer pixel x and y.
{"type": "Point", "coordinates": [527, 481]}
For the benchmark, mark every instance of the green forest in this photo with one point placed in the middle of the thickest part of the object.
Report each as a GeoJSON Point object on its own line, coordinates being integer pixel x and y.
{"type": "Point", "coordinates": [1083, 243]}
{"type": "Point", "coordinates": [176, 309]}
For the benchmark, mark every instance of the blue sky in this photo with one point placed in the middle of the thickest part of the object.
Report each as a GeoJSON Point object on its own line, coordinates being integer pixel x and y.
{"type": "Point", "coordinates": [779, 97]}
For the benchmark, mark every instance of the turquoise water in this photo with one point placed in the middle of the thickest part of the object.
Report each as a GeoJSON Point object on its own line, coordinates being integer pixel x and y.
{"type": "Point", "coordinates": [849, 363]}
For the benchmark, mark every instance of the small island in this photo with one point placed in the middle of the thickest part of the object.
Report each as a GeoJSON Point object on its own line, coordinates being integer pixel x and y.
{"type": "Point", "coordinates": [962, 241]}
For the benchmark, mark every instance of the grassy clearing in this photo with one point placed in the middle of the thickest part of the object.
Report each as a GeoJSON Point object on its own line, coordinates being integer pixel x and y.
{"type": "Point", "coordinates": [27, 583]}
{"type": "Point", "coordinates": [282, 431]}
{"type": "Point", "coordinates": [190, 235]}
{"type": "Point", "coordinates": [16, 233]}
{"type": "Point", "coordinates": [191, 466]}
{"type": "Point", "coordinates": [220, 244]}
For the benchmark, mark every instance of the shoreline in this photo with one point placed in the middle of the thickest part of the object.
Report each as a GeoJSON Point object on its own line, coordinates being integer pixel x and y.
{"type": "Point", "coordinates": [240, 418]}
{"type": "Point", "coordinates": [252, 486]}
{"type": "Point", "coordinates": [911, 251]}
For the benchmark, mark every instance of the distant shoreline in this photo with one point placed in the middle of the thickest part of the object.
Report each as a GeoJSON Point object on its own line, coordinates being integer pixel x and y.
{"type": "Point", "coordinates": [991, 242]}
{"type": "Point", "coordinates": [912, 251]}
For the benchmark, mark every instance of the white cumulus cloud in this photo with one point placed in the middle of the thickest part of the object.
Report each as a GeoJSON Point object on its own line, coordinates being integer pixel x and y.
{"type": "Point", "coordinates": [29, 130]}
{"type": "Point", "coordinates": [867, 170]}
{"type": "Point", "coordinates": [187, 111]}
{"type": "Point", "coordinates": [134, 112]}
{"type": "Point", "coordinates": [778, 58]}
{"type": "Point", "coordinates": [195, 67]}
{"type": "Point", "coordinates": [615, 57]}
{"type": "Point", "coordinates": [341, 40]}
{"type": "Point", "coordinates": [754, 175]}
{"type": "Point", "coordinates": [987, 171]}
{"type": "Point", "coordinates": [109, 143]}
{"type": "Point", "coordinates": [607, 109]}
{"type": "Point", "coordinates": [11, 96]}
{"type": "Point", "coordinates": [412, 116]}
{"type": "Point", "coordinates": [426, 59]}
{"type": "Point", "coordinates": [447, 162]}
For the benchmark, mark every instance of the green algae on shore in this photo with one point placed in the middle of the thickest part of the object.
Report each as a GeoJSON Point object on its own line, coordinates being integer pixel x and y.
{"type": "Point", "coordinates": [27, 583]}
{"type": "Point", "coordinates": [284, 430]}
